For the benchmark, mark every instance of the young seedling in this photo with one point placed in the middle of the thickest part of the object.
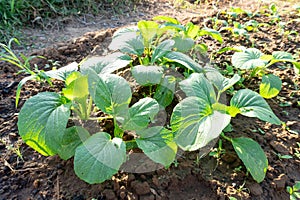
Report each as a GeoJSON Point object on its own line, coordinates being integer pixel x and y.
{"type": "Point", "coordinates": [294, 191]}
{"type": "Point", "coordinates": [238, 30]}
{"type": "Point", "coordinates": [13, 148]}
{"type": "Point", "coordinates": [34, 73]}
{"type": "Point", "coordinates": [217, 153]}
{"type": "Point", "coordinates": [280, 157]}
{"type": "Point", "coordinates": [297, 151]}
{"type": "Point", "coordinates": [274, 13]}
{"type": "Point", "coordinates": [257, 63]}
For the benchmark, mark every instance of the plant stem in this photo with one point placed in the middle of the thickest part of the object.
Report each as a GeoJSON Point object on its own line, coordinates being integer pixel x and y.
{"type": "Point", "coordinates": [225, 137]}
{"type": "Point", "coordinates": [118, 132]}
{"type": "Point", "coordinates": [100, 118]}
{"type": "Point", "coordinates": [140, 60]}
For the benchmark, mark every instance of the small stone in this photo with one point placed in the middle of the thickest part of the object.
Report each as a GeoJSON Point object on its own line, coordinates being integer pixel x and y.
{"type": "Point", "coordinates": [280, 182]}
{"type": "Point", "coordinates": [141, 188]}
{"type": "Point", "coordinates": [12, 135]}
{"type": "Point", "coordinates": [131, 196]}
{"type": "Point", "coordinates": [255, 189]}
{"type": "Point", "coordinates": [155, 181]}
{"type": "Point", "coordinates": [270, 175]}
{"type": "Point", "coordinates": [109, 194]}
{"type": "Point", "coordinates": [122, 195]}
{"type": "Point", "coordinates": [143, 177]}
{"type": "Point", "coordinates": [230, 190]}
{"type": "Point", "coordinates": [36, 183]}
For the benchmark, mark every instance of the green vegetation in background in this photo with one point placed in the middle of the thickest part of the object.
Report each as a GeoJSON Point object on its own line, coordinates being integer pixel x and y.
{"type": "Point", "coordinates": [16, 13]}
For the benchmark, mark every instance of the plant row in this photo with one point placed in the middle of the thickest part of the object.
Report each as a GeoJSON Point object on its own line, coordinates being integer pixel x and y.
{"type": "Point", "coordinates": [161, 58]}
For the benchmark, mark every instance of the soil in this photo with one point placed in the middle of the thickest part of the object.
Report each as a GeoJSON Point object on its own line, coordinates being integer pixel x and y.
{"type": "Point", "coordinates": [32, 176]}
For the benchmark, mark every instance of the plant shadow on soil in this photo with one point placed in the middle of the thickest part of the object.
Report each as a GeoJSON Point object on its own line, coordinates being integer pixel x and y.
{"type": "Point", "coordinates": [36, 177]}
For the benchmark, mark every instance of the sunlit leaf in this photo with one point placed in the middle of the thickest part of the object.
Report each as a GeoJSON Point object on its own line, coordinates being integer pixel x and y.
{"type": "Point", "coordinates": [251, 104]}
{"type": "Point", "coordinates": [248, 59]}
{"type": "Point", "coordinates": [270, 86]}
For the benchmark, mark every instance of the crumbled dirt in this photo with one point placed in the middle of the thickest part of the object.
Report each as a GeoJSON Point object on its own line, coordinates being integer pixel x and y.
{"type": "Point", "coordinates": [33, 176]}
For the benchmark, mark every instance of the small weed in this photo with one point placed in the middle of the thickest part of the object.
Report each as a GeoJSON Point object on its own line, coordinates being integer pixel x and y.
{"type": "Point", "coordinates": [238, 169]}
{"type": "Point", "coordinates": [197, 160]}
{"type": "Point", "coordinates": [217, 153]}
{"type": "Point", "coordinates": [259, 130]}
{"type": "Point", "coordinates": [8, 55]}
{"type": "Point", "coordinates": [294, 191]}
{"type": "Point", "coordinates": [13, 148]}
{"type": "Point", "coordinates": [243, 188]}
{"type": "Point", "coordinates": [280, 157]}
{"type": "Point", "coordinates": [297, 151]}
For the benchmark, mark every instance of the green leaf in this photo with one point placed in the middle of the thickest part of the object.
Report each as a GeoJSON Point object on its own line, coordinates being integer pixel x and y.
{"type": "Point", "coordinates": [147, 75]}
{"type": "Point", "coordinates": [71, 139]}
{"type": "Point", "coordinates": [72, 77]}
{"type": "Point", "coordinates": [165, 91]}
{"type": "Point", "coordinates": [297, 67]}
{"type": "Point", "coordinates": [169, 26]}
{"type": "Point", "coordinates": [77, 86]}
{"type": "Point", "coordinates": [184, 60]}
{"type": "Point", "coordinates": [252, 104]}
{"type": "Point", "coordinates": [220, 82]}
{"type": "Point", "coordinates": [141, 114]}
{"type": "Point", "coordinates": [197, 85]}
{"type": "Point", "coordinates": [252, 156]}
{"type": "Point", "coordinates": [161, 50]}
{"type": "Point", "coordinates": [112, 94]}
{"type": "Point", "coordinates": [279, 55]}
{"type": "Point", "coordinates": [99, 158]}
{"type": "Point", "coordinates": [201, 48]}
{"type": "Point", "coordinates": [248, 59]}
{"type": "Point", "coordinates": [270, 86]}
{"type": "Point", "coordinates": [296, 195]}
{"type": "Point", "coordinates": [192, 30]}
{"type": "Point", "coordinates": [183, 44]}
{"type": "Point", "coordinates": [63, 72]}
{"type": "Point", "coordinates": [148, 31]}
{"type": "Point", "coordinates": [42, 120]}
{"type": "Point", "coordinates": [296, 187]}
{"type": "Point", "coordinates": [21, 83]}
{"type": "Point", "coordinates": [193, 123]}
{"type": "Point", "coordinates": [289, 189]}
{"type": "Point", "coordinates": [105, 64]}
{"type": "Point", "coordinates": [211, 32]}
{"type": "Point", "coordinates": [225, 49]}
{"type": "Point", "coordinates": [166, 19]}
{"type": "Point", "coordinates": [133, 46]}
{"type": "Point", "coordinates": [157, 143]}
{"type": "Point", "coordinates": [122, 36]}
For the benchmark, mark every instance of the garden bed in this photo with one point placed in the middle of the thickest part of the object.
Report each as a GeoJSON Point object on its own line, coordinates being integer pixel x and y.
{"type": "Point", "coordinates": [34, 176]}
